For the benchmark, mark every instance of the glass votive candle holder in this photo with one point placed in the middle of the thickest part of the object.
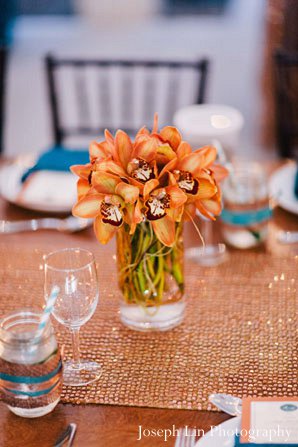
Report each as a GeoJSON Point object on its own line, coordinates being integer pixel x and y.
{"type": "Point", "coordinates": [247, 209]}
{"type": "Point", "coordinates": [30, 365]}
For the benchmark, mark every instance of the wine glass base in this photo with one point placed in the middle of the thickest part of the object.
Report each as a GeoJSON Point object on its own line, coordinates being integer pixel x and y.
{"type": "Point", "coordinates": [86, 373]}
{"type": "Point", "coordinates": [209, 255]}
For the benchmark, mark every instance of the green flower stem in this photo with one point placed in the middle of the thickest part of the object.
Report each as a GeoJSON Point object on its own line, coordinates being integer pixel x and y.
{"type": "Point", "coordinates": [161, 286]}
{"type": "Point", "coordinates": [141, 277]}
{"type": "Point", "coordinates": [160, 271]}
{"type": "Point", "coordinates": [136, 283]}
{"type": "Point", "coordinates": [150, 264]}
{"type": "Point", "coordinates": [140, 245]}
{"type": "Point", "coordinates": [145, 265]}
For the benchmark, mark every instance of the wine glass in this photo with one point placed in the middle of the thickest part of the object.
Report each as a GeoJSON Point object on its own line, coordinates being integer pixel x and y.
{"type": "Point", "coordinates": [73, 270]}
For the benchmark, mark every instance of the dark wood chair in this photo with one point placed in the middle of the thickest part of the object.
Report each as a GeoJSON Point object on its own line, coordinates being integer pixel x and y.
{"type": "Point", "coordinates": [286, 64]}
{"type": "Point", "coordinates": [86, 96]}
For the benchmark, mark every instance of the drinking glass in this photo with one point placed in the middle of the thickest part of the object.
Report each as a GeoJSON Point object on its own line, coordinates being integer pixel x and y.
{"type": "Point", "coordinates": [247, 210]}
{"type": "Point", "coordinates": [213, 252]}
{"type": "Point", "coordinates": [73, 270]}
{"type": "Point", "coordinates": [30, 364]}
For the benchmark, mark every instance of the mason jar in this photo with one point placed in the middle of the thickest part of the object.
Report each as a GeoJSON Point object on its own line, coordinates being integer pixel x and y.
{"type": "Point", "coordinates": [30, 364]}
{"type": "Point", "coordinates": [247, 210]}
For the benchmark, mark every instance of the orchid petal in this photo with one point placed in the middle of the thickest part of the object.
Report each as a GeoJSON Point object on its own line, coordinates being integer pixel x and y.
{"type": "Point", "coordinates": [88, 206]}
{"type": "Point", "coordinates": [110, 140]}
{"type": "Point", "coordinates": [190, 163]}
{"type": "Point", "coordinates": [208, 154]}
{"type": "Point", "coordinates": [136, 183]}
{"type": "Point", "coordinates": [172, 179]}
{"type": "Point", "coordinates": [104, 232]}
{"type": "Point", "coordinates": [164, 154]}
{"type": "Point", "coordinates": [176, 214]}
{"type": "Point", "coordinates": [129, 193]}
{"type": "Point", "coordinates": [104, 182]}
{"type": "Point", "coordinates": [170, 166]}
{"type": "Point", "coordinates": [83, 188]}
{"type": "Point", "coordinates": [213, 205]}
{"type": "Point", "coordinates": [171, 135]}
{"type": "Point", "coordinates": [112, 167]}
{"type": "Point", "coordinates": [145, 149]}
{"type": "Point", "coordinates": [165, 230]}
{"type": "Point", "coordinates": [203, 211]}
{"type": "Point", "coordinates": [206, 189]}
{"type": "Point", "coordinates": [219, 172]}
{"type": "Point", "coordinates": [205, 174]}
{"type": "Point", "coordinates": [115, 199]}
{"type": "Point", "coordinates": [149, 187]}
{"type": "Point", "coordinates": [98, 150]}
{"type": "Point", "coordinates": [138, 216]}
{"type": "Point", "coordinates": [134, 216]}
{"type": "Point", "coordinates": [155, 123]}
{"type": "Point", "coordinates": [183, 149]}
{"type": "Point", "coordinates": [82, 171]}
{"type": "Point", "coordinates": [124, 147]}
{"type": "Point", "coordinates": [177, 196]}
{"type": "Point", "coordinates": [141, 133]}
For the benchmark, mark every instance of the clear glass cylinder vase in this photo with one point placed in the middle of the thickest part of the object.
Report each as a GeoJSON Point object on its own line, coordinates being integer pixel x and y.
{"type": "Point", "coordinates": [151, 279]}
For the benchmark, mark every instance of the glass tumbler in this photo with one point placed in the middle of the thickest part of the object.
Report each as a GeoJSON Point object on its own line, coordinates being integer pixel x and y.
{"type": "Point", "coordinates": [246, 210]}
{"type": "Point", "coordinates": [30, 365]}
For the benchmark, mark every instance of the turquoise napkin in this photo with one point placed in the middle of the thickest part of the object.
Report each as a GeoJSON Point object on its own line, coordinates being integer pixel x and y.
{"type": "Point", "coordinates": [240, 444]}
{"type": "Point", "coordinates": [58, 159]}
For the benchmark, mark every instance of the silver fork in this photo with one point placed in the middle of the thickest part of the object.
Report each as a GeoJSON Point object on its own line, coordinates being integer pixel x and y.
{"type": "Point", "coordinates": [69, 225]}
{"type": "Point", "coordinates": [186, 437]}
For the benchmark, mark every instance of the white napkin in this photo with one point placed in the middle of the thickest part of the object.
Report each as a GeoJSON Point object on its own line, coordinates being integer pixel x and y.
{"type": "Point", "coordinates": [50, 187]}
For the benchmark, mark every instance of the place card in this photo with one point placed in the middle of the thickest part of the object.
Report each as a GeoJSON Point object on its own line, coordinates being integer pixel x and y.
{"type": "Point", "coordinates": [269, 421]}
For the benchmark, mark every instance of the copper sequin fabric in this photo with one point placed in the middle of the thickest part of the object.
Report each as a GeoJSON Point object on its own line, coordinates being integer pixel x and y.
{"type": "Point", "coordinates": [239, 336]}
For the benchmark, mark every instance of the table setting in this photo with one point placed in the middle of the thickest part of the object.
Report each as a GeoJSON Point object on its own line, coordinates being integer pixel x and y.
{"type": "Point", "coordinates": [165, 301]}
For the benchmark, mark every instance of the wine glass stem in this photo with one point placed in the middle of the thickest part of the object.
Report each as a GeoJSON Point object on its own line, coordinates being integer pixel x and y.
{"type": "Point", "coordinates": [75, 338]}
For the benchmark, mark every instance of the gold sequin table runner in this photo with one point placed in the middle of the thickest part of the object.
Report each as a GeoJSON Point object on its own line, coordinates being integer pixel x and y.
{"type": "Point", "coordinates": [240, 333]}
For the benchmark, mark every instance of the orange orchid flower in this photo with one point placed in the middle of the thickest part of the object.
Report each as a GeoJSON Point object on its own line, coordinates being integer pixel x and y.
{"type": "Point", "coordinates": [192, 173]}
{"type": "Point", "coordinates": [155, 177]}
{"type": "Point", "coordinates": [110, 201]}
{"type": "Point", "coordinates": [161, 204]}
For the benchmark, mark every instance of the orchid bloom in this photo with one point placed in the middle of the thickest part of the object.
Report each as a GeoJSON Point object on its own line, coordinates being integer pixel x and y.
{"type": "Point", "coordinates": [161, 204]}
{"type": "Point", "coordinates": [193, 172]}
{"type": "Point", "coordinates": [110, 201]}
{"type": "Point", "coordinates": [133, 162]}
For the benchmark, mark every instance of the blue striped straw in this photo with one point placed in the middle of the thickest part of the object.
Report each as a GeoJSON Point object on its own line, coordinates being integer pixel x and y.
{"type": "Point", "coordinates": [47, 311]}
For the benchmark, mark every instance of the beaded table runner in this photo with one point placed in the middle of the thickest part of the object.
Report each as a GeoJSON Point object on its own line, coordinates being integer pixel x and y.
{"type": "Point", "coordinates": [239, 335]}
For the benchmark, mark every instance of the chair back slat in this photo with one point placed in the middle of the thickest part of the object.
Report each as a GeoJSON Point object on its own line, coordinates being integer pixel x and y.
{"type": "Point", "coordinates": [127, 97]}
{"type": "Point", "coordinates": [104, 97]}
{"type": "Point", "coordinates": [88, 95]}
{"type": "Point", "coordinates": [83, 109]}
{"type": "Point", "coordinates": [172, 93]}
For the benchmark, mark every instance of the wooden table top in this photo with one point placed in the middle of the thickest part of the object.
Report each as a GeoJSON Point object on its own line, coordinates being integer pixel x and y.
{"type": "Point", "coordinates": [99, 425]}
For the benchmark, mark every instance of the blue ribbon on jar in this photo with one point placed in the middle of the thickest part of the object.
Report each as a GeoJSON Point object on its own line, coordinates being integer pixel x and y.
{"type": "Point", "coordinates": [247, 217]}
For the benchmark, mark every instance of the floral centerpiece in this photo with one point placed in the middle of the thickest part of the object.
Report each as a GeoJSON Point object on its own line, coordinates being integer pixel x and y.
{"type": "Point", "coordinates": [142, 191]}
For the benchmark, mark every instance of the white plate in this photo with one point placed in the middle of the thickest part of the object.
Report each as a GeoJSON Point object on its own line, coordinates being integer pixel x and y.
{"type": "Point", "coordinates": [281, 187]}
{"type": "Point", "coordinates": [221, 436]}
{"type": "Point", "coordinates": [47, 191]}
